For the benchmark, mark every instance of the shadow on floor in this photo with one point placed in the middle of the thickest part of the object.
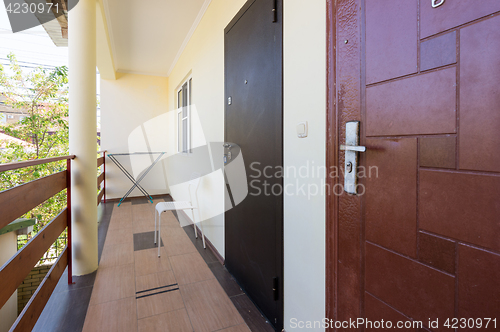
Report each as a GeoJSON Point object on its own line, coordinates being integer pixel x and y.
{"type": "Point", "coordinates": [67, 308]}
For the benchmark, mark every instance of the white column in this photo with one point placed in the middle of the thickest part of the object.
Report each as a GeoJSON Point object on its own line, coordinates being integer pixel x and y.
{"type": "Point", "coordinates": [83, 134]}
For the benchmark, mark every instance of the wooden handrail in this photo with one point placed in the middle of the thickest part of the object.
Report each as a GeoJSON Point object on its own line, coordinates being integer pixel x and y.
{"type": "Point", "coordinates": [34, 162]}
{"type": "Point", "coordinates": [100, 178]}
{"type": "Point", "coordinates": [32, 311]}
{"type": "Point", "coordinates": [99, 197]}
{"type": "Point", "coordinates": [19, 266]}
{"type": "Point", "coordinates": [102, 151]}
{"type": "Point", "coordinates": [100, 161]}
{"type": "Point", "coordinates": [17, 201]}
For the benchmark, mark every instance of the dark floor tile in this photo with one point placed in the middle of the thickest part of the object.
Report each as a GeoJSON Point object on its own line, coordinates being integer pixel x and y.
{"type": "Point", "coordinates": [102, 230]}
{"type": "Point", "coordinates": [65, 311]}
{"type": "Point", "coordinates": [252, 316]}
{"type": "Point", "coordinates": [67, 307]}
{"type": "Point", "coordinates": [145, 241]}
{"type": "Point", "coordinates": [225, 279]}
{"type": "Point", "coordinates": [78, 282]}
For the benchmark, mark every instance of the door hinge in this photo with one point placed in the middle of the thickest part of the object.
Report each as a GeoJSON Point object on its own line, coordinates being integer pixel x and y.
{"type": "Point", "coordinates": [275, 289]}
{"type": "Point", "coordinates": [275, 11]}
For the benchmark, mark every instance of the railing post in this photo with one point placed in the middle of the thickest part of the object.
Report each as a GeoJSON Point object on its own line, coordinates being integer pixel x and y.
{"type": "Point", "coordinates": [104, 171]}
{"type": "Point", "coordinates": [68, 210]}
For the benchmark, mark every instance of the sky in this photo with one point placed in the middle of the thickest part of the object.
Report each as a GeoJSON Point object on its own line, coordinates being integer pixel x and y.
{"type": "Point", "coordinates": [32, 46]}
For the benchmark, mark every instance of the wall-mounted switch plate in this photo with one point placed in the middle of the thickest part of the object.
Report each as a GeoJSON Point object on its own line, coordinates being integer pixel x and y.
{"type": "Point", "coordinates": [302, 129]}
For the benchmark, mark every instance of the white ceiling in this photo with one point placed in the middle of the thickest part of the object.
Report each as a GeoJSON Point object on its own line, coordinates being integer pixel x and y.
{"type": "Point", "coordinates": [147, 37]}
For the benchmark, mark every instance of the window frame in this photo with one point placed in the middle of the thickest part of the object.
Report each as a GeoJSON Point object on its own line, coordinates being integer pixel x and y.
{"type": "Point", "coordinates": [179, 120]}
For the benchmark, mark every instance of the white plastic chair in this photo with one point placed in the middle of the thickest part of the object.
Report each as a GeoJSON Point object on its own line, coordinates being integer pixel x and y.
{"type": "Point", "coordinates": [182, 205]}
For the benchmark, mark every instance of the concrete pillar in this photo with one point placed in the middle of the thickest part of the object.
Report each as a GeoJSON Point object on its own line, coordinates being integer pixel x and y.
{"type": "Point", "coordinates": [83, 134]}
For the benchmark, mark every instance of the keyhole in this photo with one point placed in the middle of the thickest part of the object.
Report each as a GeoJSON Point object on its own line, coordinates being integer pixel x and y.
{"type": "Point", "coordinates": [349, 167]}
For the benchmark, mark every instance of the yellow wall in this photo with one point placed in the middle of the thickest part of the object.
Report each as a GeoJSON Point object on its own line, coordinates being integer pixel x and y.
{"type": "Point", "coordinates": [104, 56]}
{"type": "Point", "coordinates": [304, 100]}
{"type": "Point", "coordinates": [133, 119]}
{"type": "Point", "coordinates": [133, 100]}
{"type": "Point", "coordinates": [203, 58]}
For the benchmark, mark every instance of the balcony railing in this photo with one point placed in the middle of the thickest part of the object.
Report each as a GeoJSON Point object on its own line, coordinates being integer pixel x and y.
{"type": "Point", "coordinates": [101, 179]}
{"type": "Point", "coordinates": [14, 203]}
{"type": "Point", "coordinates": [21, 199]}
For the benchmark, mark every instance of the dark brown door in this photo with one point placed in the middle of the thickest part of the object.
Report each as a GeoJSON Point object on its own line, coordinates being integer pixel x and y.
{"type": "Point", "coordinates": [254, 118]}
{"type": "Point", "coordinates": [423, 242]}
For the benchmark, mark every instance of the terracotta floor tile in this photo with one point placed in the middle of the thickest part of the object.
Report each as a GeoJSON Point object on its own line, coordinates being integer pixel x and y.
{"type": "Point", "coordinates": [200, 302]}
{"type": "Point", "coordinates": [144, 225]}
{"type": "Point", "coordinates": [190, 268]}
{"type": "Point", "coordinates": [115, 255]}
{"type": "Point", "coordinates": [159, 303]}
{"type": "Point", "coordinates": [168, 220]}
{"type": "Point", "coordinates": [123, 210]}
{"type": "Point", "coordinates": [115, 316]}
{"type": "Point", "coordinates": [237, 328]}
{"type": "Point", "coordinates": [124, 205]}
{"type": "Point", "coordinates": [143, 212]}
{"type": "Point", "coordinates": [113, 283]}
{"type": "Point", "coordinates": [148, 262]}
{"type": "Point", "coordinates": [208, 306]}
{"type": "Point", "coordinates": [146, 222]}
{"type": "Point", "coordinates": [174, 321]}
{"type": "Point", "coordinates": [154, 280]}
{"type": "Point", "coordinates": [121, 219]}
{"type": "Point", "coordinates": [176, 241]}
{"type": "Point", "coordinates": [119, 236]}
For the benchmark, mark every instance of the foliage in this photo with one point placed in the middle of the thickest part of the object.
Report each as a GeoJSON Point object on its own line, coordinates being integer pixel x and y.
{"type": "Point", "coordinates": [42, 95]}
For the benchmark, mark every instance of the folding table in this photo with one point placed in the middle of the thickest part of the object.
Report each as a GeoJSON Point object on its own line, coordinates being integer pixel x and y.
{"type": "Point", "coordinates": [136, 183]}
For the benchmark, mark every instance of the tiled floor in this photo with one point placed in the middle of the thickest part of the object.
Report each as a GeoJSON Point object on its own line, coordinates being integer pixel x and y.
{"type": "Point", "coordinates": [134, 290]}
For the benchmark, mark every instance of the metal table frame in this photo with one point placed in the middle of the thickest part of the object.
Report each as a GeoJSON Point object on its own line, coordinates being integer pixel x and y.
{"type": "Point", "coordinates": [136, 183]}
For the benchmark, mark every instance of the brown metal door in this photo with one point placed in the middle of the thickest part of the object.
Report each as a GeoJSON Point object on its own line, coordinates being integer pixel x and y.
{"type": "Point", "coordinates": [253, 57]}
{"type": "Point", "coordinates": [423, 241]}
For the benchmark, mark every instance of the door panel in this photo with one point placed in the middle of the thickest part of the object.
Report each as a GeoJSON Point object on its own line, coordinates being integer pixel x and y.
{"type": "Point", "coordinates": [423, 241]}
{"type": "Point", "coordinates": [388, 224]}
{"type": "Point", "coordinates": [479, 115]}
{"type": "Point", "coordinates": [254, 117]}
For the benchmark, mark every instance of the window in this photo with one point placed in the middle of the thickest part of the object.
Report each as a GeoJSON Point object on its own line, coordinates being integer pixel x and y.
{"type": "Point", "coordinates": [184, 117]}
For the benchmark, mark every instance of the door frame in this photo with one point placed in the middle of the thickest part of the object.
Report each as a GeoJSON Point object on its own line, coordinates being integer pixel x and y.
{"type": "Point", "coordinates": [344, 42]}
{"type": "Point", "coordinates": [332, 160]}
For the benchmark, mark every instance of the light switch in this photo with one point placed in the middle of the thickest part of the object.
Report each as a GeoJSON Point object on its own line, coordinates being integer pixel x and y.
{"type": "Point", "coordinates": [302, 129]}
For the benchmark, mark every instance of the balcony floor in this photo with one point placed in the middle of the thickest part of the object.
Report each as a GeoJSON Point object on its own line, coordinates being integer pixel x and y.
{"type": "Point", "coordinates": [187, 289]}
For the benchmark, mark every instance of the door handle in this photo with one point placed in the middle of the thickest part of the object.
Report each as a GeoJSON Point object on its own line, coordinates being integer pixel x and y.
{"type": "Point", "coordinates": [228, 155]}
{"type": "Point", "coordinates": [352, 150]}
{"type": "Point", "coordinates": [437, 3]}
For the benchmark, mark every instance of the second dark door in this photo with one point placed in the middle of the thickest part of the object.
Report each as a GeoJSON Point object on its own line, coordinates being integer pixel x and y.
{"type": "Point", "coordinates": [254, 117]}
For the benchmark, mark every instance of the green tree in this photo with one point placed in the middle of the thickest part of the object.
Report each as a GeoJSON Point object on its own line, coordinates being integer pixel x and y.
{"type": "Point", "coordinates": [42, 95]}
